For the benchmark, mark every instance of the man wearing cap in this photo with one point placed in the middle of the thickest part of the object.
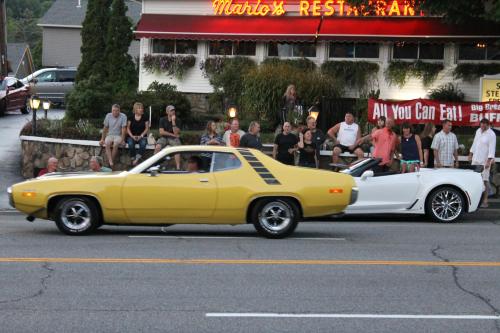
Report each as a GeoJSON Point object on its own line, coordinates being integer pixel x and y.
{"type": "Point", "coordinates": [482, 154]}
{"type": "Point", "coordinates": [169, 133]}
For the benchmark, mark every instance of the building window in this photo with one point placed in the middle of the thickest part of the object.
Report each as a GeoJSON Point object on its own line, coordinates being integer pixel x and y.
{"type": "Point", "coordinates": [478, 51]}
{"type": "Point", "coordinates": [403, 50]}
{"type": "Point", "coordinates": [292, 50]}
{"type": "Point", "coordinates": [354, 50]}
{"type": "Point", "coordinates": [175, 46]}
{"type": "Point", "coordinates": [232, 48]}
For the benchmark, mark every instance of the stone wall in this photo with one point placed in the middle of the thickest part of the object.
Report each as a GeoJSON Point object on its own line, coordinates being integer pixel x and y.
{"type": "Point", "coordinates": [73, 155]}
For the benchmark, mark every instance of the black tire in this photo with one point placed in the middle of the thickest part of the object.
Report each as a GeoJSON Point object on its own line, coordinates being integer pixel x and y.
{"type": "Point", "coordinates": [25, 109]}
{"type": "Point", "coordinates": [85, 216]}
{"type": "Point", "coordinates": [275, 217]}
{"type": "Point", "coordinates": [445, 205]}
{"type": "Point", "coordinates": [3, 108]}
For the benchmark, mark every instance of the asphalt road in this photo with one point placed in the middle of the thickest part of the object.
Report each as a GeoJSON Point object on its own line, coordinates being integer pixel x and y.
{"type": "Point", "coordinates": [344, 276]}
{"type": "Point", "coordinates": [10, 148]}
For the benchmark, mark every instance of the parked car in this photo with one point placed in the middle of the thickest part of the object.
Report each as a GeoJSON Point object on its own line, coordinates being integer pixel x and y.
{"type": "Point", "coordinates": [14, 95]}
{"type": "Point", "coordinates": [442, 194]}
{"type": "Point", "coordinates": [52, 83]}
{"type": "Point", "coordinates": [225, 186]}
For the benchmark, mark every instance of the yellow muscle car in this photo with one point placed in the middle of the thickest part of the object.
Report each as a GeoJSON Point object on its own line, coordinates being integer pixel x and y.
{"type": "Point", "coordinates": [191, 185]}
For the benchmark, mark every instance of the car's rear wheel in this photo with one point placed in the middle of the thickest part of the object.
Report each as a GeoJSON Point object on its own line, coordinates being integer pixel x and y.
{"type": "Point", "coordinates": [445, 204]}
{"type": "Point", "coordinates": [77, 216]}
{"type": "Point", "coordinates": [275, 217]}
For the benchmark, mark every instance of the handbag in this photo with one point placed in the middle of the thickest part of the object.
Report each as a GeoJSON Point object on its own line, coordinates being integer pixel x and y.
{"type": "Point", "coordinates": [151, 139]}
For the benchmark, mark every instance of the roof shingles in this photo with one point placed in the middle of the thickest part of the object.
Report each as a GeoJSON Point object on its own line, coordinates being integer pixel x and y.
{"type": "Point", "coordinates": [66, 13]}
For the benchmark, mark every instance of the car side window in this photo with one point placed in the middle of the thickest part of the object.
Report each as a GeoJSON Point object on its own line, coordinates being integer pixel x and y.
{"type": "Point", "coordinates": [66, 76]}
{"type": "Point", "coordinates": [47, 77]}
{"type": "Point", "coordinates": [185, 162]}
{"type": "Point", "coordinates": [225, 161]}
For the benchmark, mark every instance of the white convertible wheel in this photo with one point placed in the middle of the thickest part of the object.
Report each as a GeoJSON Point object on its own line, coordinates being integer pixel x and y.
{"type": "Point", "coordinates": [446, 204]}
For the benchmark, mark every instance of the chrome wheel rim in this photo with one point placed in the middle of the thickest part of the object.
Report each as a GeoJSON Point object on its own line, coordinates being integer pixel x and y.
{"type": "Point", "coordinates": [76, 215]}
{"type": "Point", "coordinates": [447, 205]}
{"type": "Point", "coordinates": [276, 216]}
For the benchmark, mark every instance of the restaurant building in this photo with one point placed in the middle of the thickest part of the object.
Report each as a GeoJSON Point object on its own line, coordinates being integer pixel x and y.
{"type": "Point", "coordinates": [318, 30]}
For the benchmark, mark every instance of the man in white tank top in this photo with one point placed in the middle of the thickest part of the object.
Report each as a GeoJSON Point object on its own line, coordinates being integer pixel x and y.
{"type": "Point", "coordinates": [346, 134]}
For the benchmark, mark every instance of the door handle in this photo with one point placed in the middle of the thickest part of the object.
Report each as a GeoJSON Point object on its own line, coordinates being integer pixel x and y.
{"type": "Point", "coordinates": [203, 180]}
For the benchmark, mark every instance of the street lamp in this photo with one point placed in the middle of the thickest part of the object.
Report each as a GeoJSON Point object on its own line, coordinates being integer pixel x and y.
{"type": "Point", "coordinates": [232, 112]}
{"type": "Point", "coordinates": [46, 107]}
{"type": "Point", "coordinates": [34, 104]}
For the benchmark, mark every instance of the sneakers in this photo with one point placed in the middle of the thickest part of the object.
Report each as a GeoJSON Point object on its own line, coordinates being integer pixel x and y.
{"type": "Point", "coordinates": [136, 160]}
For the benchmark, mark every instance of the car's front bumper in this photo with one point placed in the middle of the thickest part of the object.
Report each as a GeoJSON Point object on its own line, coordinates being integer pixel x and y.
{"type": "Point", "coordinates": [354, 195]}
{"type": "Point", "coordinates": [11, 197]}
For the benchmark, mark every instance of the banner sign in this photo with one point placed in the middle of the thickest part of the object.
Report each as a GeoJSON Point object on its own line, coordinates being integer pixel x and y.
{"type": "Point", "coordinates": [422, 111]}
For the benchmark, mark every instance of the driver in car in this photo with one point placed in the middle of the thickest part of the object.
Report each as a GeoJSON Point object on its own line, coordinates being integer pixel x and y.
{"type": "Point", "coordinates": [194, 164]}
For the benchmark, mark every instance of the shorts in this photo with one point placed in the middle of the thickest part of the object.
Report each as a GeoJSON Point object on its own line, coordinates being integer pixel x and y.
{"type": "Point", "coordinates": [345, 148]}
{"type": "Point", "coordinates": [113, 139]}
{"type": "Point", "coordinates": [410, 162]}
{"type": "Point", "coordinates": [485, 173]}
{"type": "Point", "coordinates": [163, 142]}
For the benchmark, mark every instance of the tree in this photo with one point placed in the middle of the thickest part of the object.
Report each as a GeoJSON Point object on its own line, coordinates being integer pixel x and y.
{"type": "Point", "coordinates": [121, 73]}
{"type": "Point", "coordinates": [454, 11]}
{"type": "Point", "coordinates": [93, 40]}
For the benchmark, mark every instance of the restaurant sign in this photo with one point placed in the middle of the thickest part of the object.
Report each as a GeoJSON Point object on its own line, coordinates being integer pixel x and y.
{"type": "Point", "coordinates": [422, 111]}
{"type": "Point", "coordinates": [490, 89]}
{"type": "Point", "coordinates": [311, 8]}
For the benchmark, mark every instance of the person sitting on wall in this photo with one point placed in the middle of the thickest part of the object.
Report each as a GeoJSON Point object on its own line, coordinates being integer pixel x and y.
{"type": "Point", "coordinates": [252, 138]}
{"type": "Point", "coordinates": [113, 133]}
{"type": "Point", "coordinates": [137, 129]}
{"type": "Point", "coordinates": [234, 134]}
{"type": "Point", "coordinates": [169, 133]}
{"type": "Point", "coordinates": [52, 165]}
{"type": "Point", "coordinates": [96, 165]}
{"type": "Point", "coordinates": [346, 134]}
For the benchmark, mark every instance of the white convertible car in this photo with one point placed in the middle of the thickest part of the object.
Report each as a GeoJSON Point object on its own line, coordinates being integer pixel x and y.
{"type": "Point", "coordinates": [442, 194]}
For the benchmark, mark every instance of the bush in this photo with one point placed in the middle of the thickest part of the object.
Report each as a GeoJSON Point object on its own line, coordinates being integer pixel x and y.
{"type": "Point", "coordinates": [158, 96]}
{"type": "Point", "coordinates": [264, 88]}
{"type": "Point", "coordinates": [302, 64]}
{"type": "Point", "coordinates": [91, 98]}
{"type": "Point", "coordinates": [66, 129]}
{"type": "Point", "coordinates": [399, 72]}
{"type": "Point", "coordinates": [471, 72]}
{"type": "Point", "coordinates": [226, 76]}
{"type": "Point", "coordinates": [356, 74]}
{"type": "Point", "coordinates": [447, 93]}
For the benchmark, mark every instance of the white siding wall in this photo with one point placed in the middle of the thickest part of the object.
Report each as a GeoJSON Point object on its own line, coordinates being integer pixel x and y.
{"type": "Point", "coordinates": [194, 82]}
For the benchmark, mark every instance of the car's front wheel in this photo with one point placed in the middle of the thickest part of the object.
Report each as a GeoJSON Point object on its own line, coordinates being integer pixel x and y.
{"type": "Point", "coordinates": [25, 109]}
{"type": "Point", "coordinates": [275, 217]}
{"type": "Point", "coordinates": [446, 204]}
{"type": "Point", "coordinates": [77, 216]}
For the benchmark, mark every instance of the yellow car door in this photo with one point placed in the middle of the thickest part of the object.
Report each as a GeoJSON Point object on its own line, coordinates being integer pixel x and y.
{"type": "Point", "coordinates": [169, 197]}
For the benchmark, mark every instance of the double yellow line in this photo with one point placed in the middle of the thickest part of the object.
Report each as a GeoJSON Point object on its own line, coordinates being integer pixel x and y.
{"type": "Point", "coordinates": [251, 262]}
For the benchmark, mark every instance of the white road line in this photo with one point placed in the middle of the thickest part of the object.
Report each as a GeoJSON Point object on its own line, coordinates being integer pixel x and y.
{"type": "Point", "coordinates": [349, 316]}
{"type": "Point", "coordinates": [236, 237]}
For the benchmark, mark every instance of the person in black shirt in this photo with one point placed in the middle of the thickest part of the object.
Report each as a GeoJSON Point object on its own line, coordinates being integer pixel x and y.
{"type": "Point", "coordinates": [426, 137]}
{"type": "Point", "coordinates": [285, 146]}
{"type": "Point", "coordinates": [307, 149]}
{"type": "Point", "coordinates": [318, 137]}
{"type": "Point", "coordinates": [252, 138]}
{"type": "Point", "coordinates": [137, 130]}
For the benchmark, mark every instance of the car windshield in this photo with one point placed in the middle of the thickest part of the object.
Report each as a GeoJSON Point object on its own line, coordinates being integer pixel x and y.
{"type": "Point", "coordinates": [355, 165]}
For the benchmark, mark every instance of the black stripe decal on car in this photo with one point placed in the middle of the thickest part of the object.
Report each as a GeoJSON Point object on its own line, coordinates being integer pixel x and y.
{"type": "Point", "coordinates": [261, 170]}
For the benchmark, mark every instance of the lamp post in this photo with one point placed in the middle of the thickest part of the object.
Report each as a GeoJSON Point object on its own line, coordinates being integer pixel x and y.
{"type": "Point", "coordinates": [232, 112]}
{"type": "Point", "coordinates": [46, 107]}
{"type": "Point", "coordinates": [34, 104]}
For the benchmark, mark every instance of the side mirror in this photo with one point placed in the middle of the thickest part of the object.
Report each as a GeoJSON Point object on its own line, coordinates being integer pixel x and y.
{"type": "Point", "coordinates": [153, 171]}
{"type": "Point", "coordinates": [367, 174]}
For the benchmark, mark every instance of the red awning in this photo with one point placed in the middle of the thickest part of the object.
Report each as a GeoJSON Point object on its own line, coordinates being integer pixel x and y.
{"type": "Point", "coordinates": [417, 28]}
{"type": "Point", "coordinates": [237, 28]}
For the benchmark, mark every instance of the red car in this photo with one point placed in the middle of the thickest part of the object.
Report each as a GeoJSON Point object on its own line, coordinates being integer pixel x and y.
{"type": "Point", "coordinates": [14, 95]}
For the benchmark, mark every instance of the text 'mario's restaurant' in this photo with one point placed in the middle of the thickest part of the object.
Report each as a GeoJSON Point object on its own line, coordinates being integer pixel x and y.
{"type": "Point", "coordinates": [328, 30]}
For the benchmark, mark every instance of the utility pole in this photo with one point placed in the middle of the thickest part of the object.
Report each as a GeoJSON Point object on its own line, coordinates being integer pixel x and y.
{"type": "Point", "coordinates": [4, 65]}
